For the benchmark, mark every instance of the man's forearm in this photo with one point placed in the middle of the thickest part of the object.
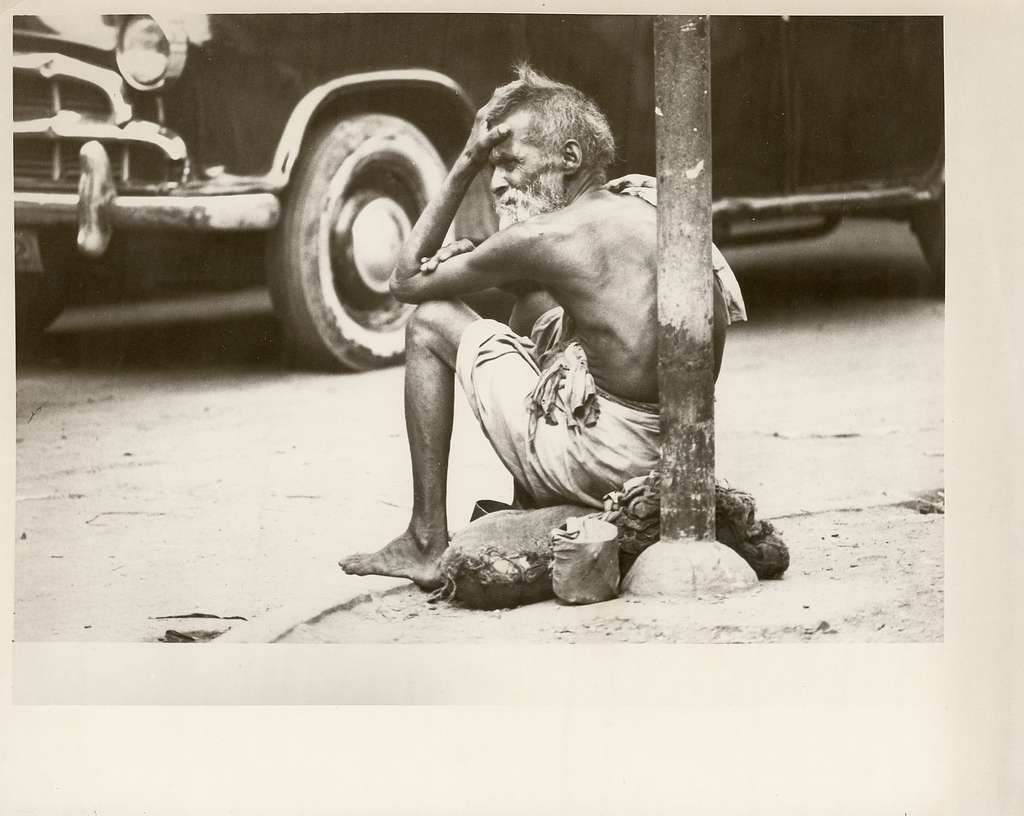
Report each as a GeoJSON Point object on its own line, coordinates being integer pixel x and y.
{"type": "Point", "coordinates": [430, 230]}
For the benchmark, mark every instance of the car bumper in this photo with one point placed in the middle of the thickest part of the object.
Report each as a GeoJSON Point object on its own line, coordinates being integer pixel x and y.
{"type": "Point", "coordinates": [240, 212]}
{"type": "Point", "coordinates": [97, 208]}
{"type": "Point", "coordinates": [191, 213]}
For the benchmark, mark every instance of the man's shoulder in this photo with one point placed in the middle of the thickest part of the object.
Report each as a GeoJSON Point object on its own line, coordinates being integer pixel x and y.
{"type": "Point", "coordinates": [606, 211]}
{"type": "Point", "coordinates": [607, 217]}
{"type": "Point", "coordinates": [595, 219]}
{"type": "Point", "coordinates": [599, 226]}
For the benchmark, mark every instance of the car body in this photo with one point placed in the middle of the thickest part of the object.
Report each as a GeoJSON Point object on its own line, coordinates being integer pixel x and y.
{"type": "Point", "coordinates": [298, 149]}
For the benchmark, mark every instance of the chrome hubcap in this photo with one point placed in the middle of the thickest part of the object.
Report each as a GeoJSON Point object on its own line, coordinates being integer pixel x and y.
{"type": "Point", "coordinates": [376, 235]}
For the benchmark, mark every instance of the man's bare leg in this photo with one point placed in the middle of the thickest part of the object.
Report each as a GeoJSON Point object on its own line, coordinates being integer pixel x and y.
{"type": "Point", "coordinates": [432, 341]}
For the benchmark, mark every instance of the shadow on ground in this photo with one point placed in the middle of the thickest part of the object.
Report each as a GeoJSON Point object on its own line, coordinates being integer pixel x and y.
{"type": "Point", "coordinates": [862, 263]}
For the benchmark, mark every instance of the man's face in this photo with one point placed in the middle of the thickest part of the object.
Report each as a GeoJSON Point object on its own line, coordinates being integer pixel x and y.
{"type": "Point", "coordinates": [526, 180]}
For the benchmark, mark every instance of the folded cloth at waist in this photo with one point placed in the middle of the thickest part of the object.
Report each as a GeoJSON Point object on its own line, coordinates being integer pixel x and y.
{"type": "Point", "coordinates": [565, 386]}
{"type": "Point", "coordinates": [586, 447]}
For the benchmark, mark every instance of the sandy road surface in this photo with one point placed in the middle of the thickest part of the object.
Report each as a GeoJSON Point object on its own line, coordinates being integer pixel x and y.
{"type": "Point", "coordinates": [181, 468]}
{"type": "Point", "coordinates": [858, 576]}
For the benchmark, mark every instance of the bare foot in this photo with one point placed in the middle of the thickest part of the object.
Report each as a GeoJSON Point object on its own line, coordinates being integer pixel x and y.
{"type": "Point", "coordinates": [405, 557]}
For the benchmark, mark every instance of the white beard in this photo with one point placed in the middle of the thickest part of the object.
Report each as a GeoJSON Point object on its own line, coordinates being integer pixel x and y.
{"type": "Point", "coordinates": [543, 195]}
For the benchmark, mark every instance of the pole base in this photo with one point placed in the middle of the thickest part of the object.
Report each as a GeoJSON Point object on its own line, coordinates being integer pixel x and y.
{"type": "Point", "coordinates": [687, 568]}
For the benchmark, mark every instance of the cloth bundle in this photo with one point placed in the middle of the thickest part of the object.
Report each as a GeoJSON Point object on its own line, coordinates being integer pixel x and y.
{"type": "Point", "coordinates": [636, 511]}
{"type": "Point", "coordinates": [756, 541]}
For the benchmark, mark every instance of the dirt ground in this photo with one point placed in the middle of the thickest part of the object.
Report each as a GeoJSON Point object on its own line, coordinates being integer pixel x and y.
{"type": "Point", "coordinates": [180, 469]}
{"type": "Point", "coordinates": [863, 575]}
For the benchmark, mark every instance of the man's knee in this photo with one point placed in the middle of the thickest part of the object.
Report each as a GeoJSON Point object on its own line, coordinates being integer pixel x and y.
{"type": "Point", "coordinates": [424, 322]}
{"type": "Point", "coordinates": [438, 323]}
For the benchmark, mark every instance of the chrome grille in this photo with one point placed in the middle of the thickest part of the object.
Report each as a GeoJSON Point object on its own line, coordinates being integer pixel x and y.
{"type": "Point", "coordinates": [34, 158]}
{"type": "Point", "coordinates": [146, 164]}
{"type": "Point", "coordinates": [36, 97]}
{"type": "Point", "coordinates": [40, 161]}
{"type": "Point", "coordinates": [48, 89]}
{"type": "Point", "coordinates": [32, 96]}
{"type": "Point", "coordinates": [84, 98]}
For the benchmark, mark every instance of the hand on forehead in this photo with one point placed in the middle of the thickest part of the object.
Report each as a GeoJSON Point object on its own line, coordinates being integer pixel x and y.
{"type": "Point", "coordinates": [518, 121]}
{"type": "Point", "coordinates": [498, 93]}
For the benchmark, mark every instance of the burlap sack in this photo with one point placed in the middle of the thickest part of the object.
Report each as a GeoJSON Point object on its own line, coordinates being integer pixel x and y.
{"type": "Point", "coordinates": [503, 559]}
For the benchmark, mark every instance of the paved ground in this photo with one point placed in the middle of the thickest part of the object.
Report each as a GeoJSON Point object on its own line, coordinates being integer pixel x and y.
{"type": "Point", "coordinates": [179, 468]}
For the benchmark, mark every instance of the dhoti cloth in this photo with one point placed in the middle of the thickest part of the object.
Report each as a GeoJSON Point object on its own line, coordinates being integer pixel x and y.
{"type": "Point", "coordinates": [561, 438]}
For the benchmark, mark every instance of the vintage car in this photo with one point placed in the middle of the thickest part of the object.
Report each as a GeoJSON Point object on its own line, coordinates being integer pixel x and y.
{"type": "Point", "coordinates": [217, 151]}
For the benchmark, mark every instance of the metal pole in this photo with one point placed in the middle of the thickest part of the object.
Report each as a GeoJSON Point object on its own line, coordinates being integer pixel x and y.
{"type": "Point", "coordinates": [685, 297]}
{"type": "Point", "coordinates": [687, 561]}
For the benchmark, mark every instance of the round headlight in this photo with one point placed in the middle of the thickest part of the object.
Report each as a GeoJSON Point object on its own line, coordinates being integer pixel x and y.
{"type": "Point", "coordinates": [149, 54]}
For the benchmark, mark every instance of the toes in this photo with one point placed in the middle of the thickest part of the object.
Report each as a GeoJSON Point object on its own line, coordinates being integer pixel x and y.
{"type": "Point", "coordinates": [352, 564]}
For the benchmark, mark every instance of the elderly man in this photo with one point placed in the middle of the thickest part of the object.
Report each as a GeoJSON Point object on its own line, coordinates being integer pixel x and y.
{"type": "Point", "coordinates": [567, 393]}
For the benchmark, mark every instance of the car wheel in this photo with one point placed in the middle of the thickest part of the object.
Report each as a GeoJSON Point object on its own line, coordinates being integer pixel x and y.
{"type": "Point", "coordinates": [929, 224]}
{"type": "Point", "coordinates": [355, 194]}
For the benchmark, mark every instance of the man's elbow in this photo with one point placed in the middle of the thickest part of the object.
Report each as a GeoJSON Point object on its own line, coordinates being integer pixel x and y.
{"type": "Point", "coordinates": [401, 288]}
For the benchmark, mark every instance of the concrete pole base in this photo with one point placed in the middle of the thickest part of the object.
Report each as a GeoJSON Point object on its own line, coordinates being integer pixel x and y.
{"type": "Point", "coordinates": [687, 568]}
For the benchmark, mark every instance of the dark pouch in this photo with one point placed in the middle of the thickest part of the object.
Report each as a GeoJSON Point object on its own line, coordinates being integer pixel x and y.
{"type": "Point", "coordinates": [586, 561]}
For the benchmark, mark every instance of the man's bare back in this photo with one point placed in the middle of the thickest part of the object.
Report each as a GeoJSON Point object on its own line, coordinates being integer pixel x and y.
{"type": "Point", "coordinates": [604, 275]}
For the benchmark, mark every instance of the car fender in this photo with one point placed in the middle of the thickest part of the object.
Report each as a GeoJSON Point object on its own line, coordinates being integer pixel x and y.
{"type": "Point", "coordinates": [368, 86]}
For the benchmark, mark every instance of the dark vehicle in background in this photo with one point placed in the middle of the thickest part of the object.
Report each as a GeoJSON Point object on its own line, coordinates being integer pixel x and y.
{"type": "Point", "coordinates": [222, 151]}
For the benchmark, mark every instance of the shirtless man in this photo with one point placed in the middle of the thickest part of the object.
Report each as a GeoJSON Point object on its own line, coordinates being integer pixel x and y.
{"type": "Point", "coordinates": [571, 412]}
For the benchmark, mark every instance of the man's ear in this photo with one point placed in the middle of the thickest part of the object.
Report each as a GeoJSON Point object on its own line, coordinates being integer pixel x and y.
{"type": "Point", "coordinates": [572, 156]}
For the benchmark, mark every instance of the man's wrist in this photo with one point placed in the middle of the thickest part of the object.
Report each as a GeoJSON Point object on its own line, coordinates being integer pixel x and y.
{"type": "Point", "coordinates": [465, 168]}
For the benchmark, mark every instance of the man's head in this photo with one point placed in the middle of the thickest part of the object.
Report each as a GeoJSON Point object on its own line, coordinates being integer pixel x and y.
{"type": "Point", "coordinates": [556, 134]}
